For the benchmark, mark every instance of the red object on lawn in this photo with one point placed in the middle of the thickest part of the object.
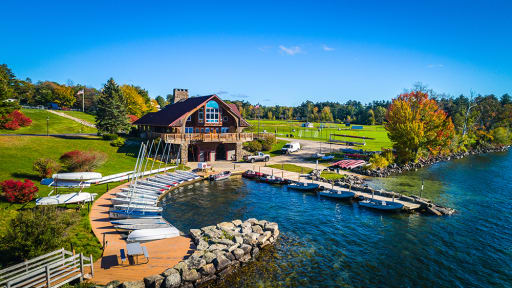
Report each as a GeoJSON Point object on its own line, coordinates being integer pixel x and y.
{"type": "Point", "coordinates": [349, 164]}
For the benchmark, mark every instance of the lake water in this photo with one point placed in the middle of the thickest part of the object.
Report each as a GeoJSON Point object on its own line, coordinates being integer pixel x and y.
{"type": "Point", "coordinates": [325, 243]}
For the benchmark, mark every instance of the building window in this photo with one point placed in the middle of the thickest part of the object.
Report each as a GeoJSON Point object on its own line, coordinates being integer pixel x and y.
{"type": "Point", "coordinates": [189, 130]}
{"type": "Point", "coordinates": [212, 112]}
{"type": "Point", "coordinates": [202, 130]}
{"type": "Point", "coordinates": [197, 130]}
{"type": "Point", "coordinates": [224, 130]}
{"type": "Point", "coordinates": [189, 118]}
{"type": "Point", "coordinates": [225, 118]}
{"type": "Point", "coordinates": [206, 130]}
{"type": "Point", "coordinates": [200, 115]}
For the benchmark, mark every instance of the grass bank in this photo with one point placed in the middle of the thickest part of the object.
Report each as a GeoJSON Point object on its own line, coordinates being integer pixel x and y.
{"type": "Point", "coordinates": [56, 124]}
{"type": "Point", "coordinates": [81, 115]}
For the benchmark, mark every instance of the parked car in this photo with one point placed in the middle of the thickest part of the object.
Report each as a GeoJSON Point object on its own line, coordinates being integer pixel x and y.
{"type": "Point", "coordinates": [260, 156]}
{"type": "Point", "coordinates": [290, 148]}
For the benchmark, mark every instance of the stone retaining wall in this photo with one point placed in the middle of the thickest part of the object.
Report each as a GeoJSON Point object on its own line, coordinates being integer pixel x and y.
{"type": "Point", "coordinates": [220, 250]}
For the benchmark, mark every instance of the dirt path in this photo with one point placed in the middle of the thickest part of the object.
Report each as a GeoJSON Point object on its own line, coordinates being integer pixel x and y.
{"type": "Point", "coordinates": [83, 122]}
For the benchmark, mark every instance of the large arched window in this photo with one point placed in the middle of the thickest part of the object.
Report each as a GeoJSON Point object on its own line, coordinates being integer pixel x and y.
{"type": "Point", "coordinates": [212, 112]}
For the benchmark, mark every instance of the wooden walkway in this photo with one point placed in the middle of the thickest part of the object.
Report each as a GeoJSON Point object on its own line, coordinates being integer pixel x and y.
{"type": "Point", "coordinates": [163, 253]}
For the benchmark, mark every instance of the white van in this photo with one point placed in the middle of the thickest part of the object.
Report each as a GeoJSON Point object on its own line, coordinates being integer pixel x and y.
{"type": "Point", "coordinates": [290, 147]}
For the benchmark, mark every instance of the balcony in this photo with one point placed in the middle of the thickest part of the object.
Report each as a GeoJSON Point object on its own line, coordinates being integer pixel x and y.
{"type": "Point", "coordinates": [179, 138]}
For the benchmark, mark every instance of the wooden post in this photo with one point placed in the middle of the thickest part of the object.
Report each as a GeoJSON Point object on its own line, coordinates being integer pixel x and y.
{"type": "Point", "coordinates": [107, 187]}
{"type": "Point", "coordinates": [282, 174]}
{"type": "Point", "coordinates": [103, 241]}
{"type": "Point", "coordinates": [81, 267]}
{"type": "Point", "coordinates": [47, 276]}
{"type": "Point", "coordinates": [92, 266]}
{"type": "Point", "coordinates": [272, 172]}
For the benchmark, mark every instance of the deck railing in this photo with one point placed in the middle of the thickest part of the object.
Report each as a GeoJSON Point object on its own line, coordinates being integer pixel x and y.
{"type": "Point", "coordinates": [207, 137]}
{"type": "Point", "coordinates": [50, 270]}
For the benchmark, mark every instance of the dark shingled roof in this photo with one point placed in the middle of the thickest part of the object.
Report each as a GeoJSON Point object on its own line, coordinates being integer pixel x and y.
{"type": "Point", "coordinates": [174, 112]}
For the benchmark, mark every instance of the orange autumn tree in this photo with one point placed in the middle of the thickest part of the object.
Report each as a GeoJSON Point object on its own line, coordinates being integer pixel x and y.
{"type": "Point", "coordinates": [416, 123]}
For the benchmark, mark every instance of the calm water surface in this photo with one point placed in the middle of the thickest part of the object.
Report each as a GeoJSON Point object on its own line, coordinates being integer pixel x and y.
{"type": "Point", "coordinates": [327, 243]}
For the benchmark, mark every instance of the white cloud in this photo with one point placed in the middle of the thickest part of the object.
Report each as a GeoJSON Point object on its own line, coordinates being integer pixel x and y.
{"type": "Point", "coordinates": [327, 48]}
{"type": "Point", "coordinates": [290, 50]}
{"type": "Point", "coordinates": [435, 66]}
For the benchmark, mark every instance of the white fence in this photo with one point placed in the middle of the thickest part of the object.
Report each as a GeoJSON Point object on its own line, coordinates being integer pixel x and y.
{"type": "Point", "coordinates": [50, 270]}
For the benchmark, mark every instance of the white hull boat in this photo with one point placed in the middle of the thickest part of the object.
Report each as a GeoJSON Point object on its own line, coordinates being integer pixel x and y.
{"type": "Point", "coordinates": [136, 195]}
{"type": "Point", "coordinates": [189, 174]}
{"type": "Point", "coordinates": [64, 183]}
{"type": "Point", "coordinates": [124, 214]}
{"type": "Point", "coordinates": [139, 221]}
{"type": "Point", "coordinates": [131, 227]}
{"type": "Point", "coordinates": [143, 235]}
{"type": "Point", "coordinates": [337, 194]}
{"type": "Point", "coordinates": [140, 192]}
{"type": "Point", "coordinates": [138, 207]}
{"type": "Point", "coordinates": [153, 184]}
{"type": "Point", "coordinates": [77, 176]}
{"type": "Point", "coordinates": [147, 188]}
{"type": "Point", "coordinates": [119, 200]}
{"type": "Point", "coordinates": [66, 198]}
{"type": "Point", "coordinates": [163, 181]}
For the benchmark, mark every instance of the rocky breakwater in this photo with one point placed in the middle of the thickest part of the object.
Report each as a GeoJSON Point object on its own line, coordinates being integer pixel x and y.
{"type": "Point", "coordinates": [395, 169]}
{"type": "Point", "coordinates": [220, 250]}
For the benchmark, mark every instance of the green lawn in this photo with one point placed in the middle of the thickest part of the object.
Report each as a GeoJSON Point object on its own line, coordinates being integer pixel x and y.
{"type": "Point", "coordinates": [18, 154]}
{"type": "Point", "coordinates": [81, 115]}
{"type": "Point", "coordinates": [284, 128]}
{"type": "Point", "coordinates": [329, 175]}
{"type": "Point", "coordinates": [56, 124]}
{"type": "Point", "coordinates": [292, 168]}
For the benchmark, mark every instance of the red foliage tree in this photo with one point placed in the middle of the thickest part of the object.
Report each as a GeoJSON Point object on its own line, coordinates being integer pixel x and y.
{"type": "Point", "coordinates": [18, 191]}
{"type": "Point", "coordinates": [80, 161]}
{"type": "Point", "coordinates": [15, 120]}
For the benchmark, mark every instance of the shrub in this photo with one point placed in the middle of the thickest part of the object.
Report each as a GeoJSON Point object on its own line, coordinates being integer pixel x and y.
{"type": "Point", "coordinates": [15, 120]}
{"type": "Point", "coordinates": [254, 146]}
{"type": "Point", "coordinates": [118, 142]}
{"type": "Point", "coordinates": [378, 161]}
{"type": "Point", "coordinates": [35, 232]}
{"type": "Point", "coordinates": [81, 161]}
{"type": "Point", "coordinates": [45, 167]}
{"type": "Point", "coordinates": [17, 191]}
{"type": "Point", "coordinates": [500, 136]}
{"type": "Point", "coordinates": [109, 136]}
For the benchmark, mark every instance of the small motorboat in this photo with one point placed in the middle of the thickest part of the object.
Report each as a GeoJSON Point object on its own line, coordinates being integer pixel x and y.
{"type": "Point", "coordinates": [304, 186]}
{"type": "Point", "coordinates": [221, 176]}
{"type": "Point", "coordinates": [389, 206]}
{"type": "Point", "coordinates": [132, 221]}
{"type": "Point", "coordinates": [252, 174]}
{"type": "Point", "coordinates": [274, 180]}
{"type": "Point", "coordinates": [337, 194]}
{"type": "Point", "coordinates": [144, 235]}
{"type": "Point", "coordinates": [80, 197]}
{"type": "Point", "coordinates": [131, 227]}
{"type": "Point", "coordinates": [123, 214]}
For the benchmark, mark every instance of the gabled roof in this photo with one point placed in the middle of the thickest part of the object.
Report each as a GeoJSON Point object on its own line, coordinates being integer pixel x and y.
{"type": "Point", "coordinates": [173, 112]}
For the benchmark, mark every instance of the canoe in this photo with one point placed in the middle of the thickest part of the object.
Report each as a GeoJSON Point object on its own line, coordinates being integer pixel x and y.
{"type": "Point", "coordinates": [337, 194]}
{"type": "Point", "coordinates": [66, 198]}
{"type": "Point", "coordinates": [221, 176]}
{"type": "Point", "coordinates": [123, 214]}
{"type": "Point", "coordinates": [131, 227]}
{"type": "Point", "coordinates": [381, 205]}
{"type": "Point", "coordinates": [138, 221]}
{"type": "Point", "coordinates": [304, 186]}
{"type": "Point", "coordinates": [77, 176]}
{"type": "Point", "coordinates": [143, 235]}
{"type": "Point", "coordinates": [146, 208]}
{"type": "Point", "coordinates": [252, 174]}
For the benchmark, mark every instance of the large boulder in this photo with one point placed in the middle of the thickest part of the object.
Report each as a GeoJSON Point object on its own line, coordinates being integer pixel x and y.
{"type": "Point", "coordinates": [196, 234]}
{"type": "Point", "coordinates": [202, 245]}
{"type": "Point", "coordinates": [133, 284]}
{"type": "Point", "coordinates": [113, 284]}
{"type": "Point", "coordinates": [237, 222]}
{"type": "Point", "coordinates": [190, 275]}
{"type": "Point", "coordinates": [238, 253]}
{"type": "Point", "coordinates": [257, 229]}
{"type": "Point", "coordinates": [217, 247]}
{"type": "Point", "coordinates": [221, 262]}
{"type": "Point", "coordinates": [226, 226]}
{"type": "Point", "coordinates": [172, 279]}
{"type": "Point", "coordinates": [154, 281]}
{"type": "Point", "coordinates": [246, 248]}
{"type": "Point", "coordinates": [208, 257]}
{"type": "Point", "coordinates": [208, 269]}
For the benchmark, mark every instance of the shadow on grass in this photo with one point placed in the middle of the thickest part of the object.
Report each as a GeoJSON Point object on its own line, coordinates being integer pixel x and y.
{"type": "Point", "coordinates": [33, 177]}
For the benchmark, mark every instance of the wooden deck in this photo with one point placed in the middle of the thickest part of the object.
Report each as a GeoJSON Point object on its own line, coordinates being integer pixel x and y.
{"type": "Point", "coordinates": [163, 253]}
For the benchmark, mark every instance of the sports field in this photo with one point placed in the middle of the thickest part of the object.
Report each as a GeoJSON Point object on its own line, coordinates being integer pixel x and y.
{"type": "Point", "coordinates": [324, 131]}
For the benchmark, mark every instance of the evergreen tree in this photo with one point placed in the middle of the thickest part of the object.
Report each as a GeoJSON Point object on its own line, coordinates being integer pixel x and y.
{"type": "Point", "coordinates": [111, 114]}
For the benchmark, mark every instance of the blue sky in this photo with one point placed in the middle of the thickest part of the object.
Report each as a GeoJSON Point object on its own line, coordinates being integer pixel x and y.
{"type": "Point", "coordinates": [268, 52]}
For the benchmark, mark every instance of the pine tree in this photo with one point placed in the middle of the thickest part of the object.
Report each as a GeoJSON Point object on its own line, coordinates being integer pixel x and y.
{"type": "Point", "coordinates": [111, 116]}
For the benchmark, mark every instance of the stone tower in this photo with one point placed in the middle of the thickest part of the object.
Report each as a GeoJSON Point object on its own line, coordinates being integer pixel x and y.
{"type": "Point", "coordinates": [180, 95]}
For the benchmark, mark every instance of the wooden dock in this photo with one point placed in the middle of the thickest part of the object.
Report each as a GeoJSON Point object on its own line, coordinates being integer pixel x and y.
{"type": "Point", "coordinates": [294, 176]}
{"type": "Point", "coordinates": [163, 253]}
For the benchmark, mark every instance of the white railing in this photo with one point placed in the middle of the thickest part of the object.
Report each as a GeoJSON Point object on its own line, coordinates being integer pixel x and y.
{"type": "Point", "coordinates": [50, 270]}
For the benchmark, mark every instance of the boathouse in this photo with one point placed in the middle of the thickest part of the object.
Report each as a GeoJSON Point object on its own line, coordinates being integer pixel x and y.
{"type": "Point", "coordinates": [203, 128]}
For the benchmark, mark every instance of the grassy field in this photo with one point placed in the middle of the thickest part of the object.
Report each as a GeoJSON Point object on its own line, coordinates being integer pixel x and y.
{"type": "Point", "coordinates": [18, 154]}
{"type": "Point", "coordinates": [81, 115]}
{"type": "Point", "coordinates": [284, 128]}
{"type": "Point", "coordinates": [56, 124]}
{"type": "Point", "coordinates": [305, 170]}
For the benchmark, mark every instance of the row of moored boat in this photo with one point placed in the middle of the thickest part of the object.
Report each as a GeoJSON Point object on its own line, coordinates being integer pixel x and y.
{"type": "Point", "coordinates": [135, 208]}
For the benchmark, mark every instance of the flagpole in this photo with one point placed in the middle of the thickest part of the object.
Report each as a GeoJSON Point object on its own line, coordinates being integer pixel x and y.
{"type": "Point", "coordinates": [83, 100]}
